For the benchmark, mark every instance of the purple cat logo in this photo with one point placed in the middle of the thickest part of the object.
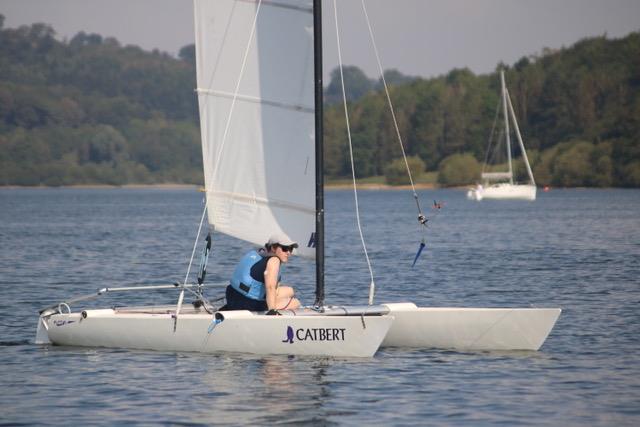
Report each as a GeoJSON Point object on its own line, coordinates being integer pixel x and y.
{"type": "Point", "coordinates": [289, 337]}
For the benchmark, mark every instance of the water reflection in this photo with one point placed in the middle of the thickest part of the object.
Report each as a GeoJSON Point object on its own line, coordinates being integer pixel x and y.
{"type": "Point", "coordinates": [241, 389]}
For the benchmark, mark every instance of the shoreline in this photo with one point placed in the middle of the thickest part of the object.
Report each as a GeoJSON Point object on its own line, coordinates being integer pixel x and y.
{"type": "Point", "coordinates": [105, 186]}
{"type": "Point", "coordinates": [370, 186]}
{"type": "Point", "coordinates": [330, 187]}
{"type": "Point", "coordinates": [364, 186]}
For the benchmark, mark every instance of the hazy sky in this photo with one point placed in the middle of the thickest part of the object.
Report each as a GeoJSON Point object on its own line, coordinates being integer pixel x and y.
{"type": "Point", "coordinates": [417, 37]}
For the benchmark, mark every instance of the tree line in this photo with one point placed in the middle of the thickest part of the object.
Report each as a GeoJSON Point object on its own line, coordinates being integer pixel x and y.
{"type": "Point", "coordinates": [578, 109]}
{"type": "Point", "coordinates": [91, 111]}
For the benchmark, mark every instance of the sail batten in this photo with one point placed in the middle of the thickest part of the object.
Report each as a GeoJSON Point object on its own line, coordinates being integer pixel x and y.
{"type": "Point", "coordinates": [260, 200]}
{"type": "Point", "coordinates": [257, 117]}
{"type": "Point", "coordinates": [284, 4]}
{"type": "Point", "coordinates": [240, 97]}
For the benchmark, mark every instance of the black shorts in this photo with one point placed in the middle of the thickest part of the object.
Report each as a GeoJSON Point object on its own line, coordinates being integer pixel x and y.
{"type": "Point", "coordinates": [237, 301]}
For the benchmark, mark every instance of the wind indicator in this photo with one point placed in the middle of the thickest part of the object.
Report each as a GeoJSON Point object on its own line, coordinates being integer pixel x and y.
{"type": "Point", "coordinates": [422, 246]}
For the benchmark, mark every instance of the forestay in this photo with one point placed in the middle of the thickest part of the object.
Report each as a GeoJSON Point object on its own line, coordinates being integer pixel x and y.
{"type": "Point", "coordinates": [256, 98]}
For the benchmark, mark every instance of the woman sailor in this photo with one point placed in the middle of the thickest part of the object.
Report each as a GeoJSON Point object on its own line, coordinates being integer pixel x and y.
{"type": "Point", "coordinates": [255, 284]}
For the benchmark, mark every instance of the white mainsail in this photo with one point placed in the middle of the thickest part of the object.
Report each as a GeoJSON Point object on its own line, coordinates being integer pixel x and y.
{"type": "Point", "coordinates": [256, 97]}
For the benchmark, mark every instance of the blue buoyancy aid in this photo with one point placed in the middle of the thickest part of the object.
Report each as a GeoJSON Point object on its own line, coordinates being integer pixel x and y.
{"type": "Point", "coordinates": [242, 281]}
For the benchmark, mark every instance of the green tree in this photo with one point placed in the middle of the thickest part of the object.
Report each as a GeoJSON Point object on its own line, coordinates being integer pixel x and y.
{"type": "Point", "coordinates": [356, 84]}
{"type": "Point", "coordinates": [631, 172]}
{"type": "Point", "coordinates": [395, 78]}
{"type": "Point", "coordinates": [458, 169]}
{"type": "Point", "coordinates": [63, 103]}
{"type": "Point", "coordinates": [188, 54]}
{"type": "Point", "coordinates": [396, 172]}
{"type": "Point", "coordinates": [572, 166]}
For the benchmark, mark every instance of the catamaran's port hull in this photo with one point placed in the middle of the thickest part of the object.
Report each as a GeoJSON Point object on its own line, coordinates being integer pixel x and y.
{"type": "Point", "coordinates": [240, 331]}
{"type": "Point", "coordinates": [340, 331]}
{"type": "Point", "coordinates": [503, 192]}
{"type": "Point", "coordinates": [469, 328]}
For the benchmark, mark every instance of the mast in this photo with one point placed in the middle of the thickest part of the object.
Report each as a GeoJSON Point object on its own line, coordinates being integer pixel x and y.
{"type": "Point", "coordinates": [319, 238]}
{"type": "Point", "coordinates": [524, 152]}
{"type": "Point", "coordinates": [506, 123]}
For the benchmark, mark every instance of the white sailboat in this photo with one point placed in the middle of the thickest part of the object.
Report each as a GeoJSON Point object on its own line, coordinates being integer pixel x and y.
{"type": "Point", "coordinates": [259, 77]}
{"type": "Point", "coordinates": [500, 185]}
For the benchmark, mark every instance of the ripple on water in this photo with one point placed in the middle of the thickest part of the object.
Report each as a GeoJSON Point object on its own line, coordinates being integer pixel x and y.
{"type": "Point", "coordinates": [558, 251]}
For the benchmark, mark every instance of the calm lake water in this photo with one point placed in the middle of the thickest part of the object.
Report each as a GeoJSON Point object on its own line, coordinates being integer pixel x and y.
{"type": "Point", "coordinates": [574, 249]}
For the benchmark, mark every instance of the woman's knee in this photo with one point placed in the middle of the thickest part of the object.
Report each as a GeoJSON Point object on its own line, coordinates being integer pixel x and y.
{"type": "Point", "coordinates": [288, 303]}
{"type": "Point", "coordinates": [285, 292]}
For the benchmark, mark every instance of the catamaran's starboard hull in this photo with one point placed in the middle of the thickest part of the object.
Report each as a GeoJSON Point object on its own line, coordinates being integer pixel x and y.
{"type": "Point", "coordinates": [240, 331]}
{"type": "Point", "coordinates": [469, 328]}
{"type": "Point", "coordinates": [503, 192]}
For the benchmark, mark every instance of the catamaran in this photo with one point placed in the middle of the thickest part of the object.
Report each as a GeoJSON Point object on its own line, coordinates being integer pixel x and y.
{"type": "Point", "coordinates": [259, 86]}
{"type": "Point", "coordinates": [500, 185]}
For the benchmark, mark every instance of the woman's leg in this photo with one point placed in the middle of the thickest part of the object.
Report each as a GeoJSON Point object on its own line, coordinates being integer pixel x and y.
{"type": "Point", "coordinates": [287, 303]}
{"type": "Point", "coordinates": [285, 292]}
{"type": "Point", "coordinates": [285, 298]}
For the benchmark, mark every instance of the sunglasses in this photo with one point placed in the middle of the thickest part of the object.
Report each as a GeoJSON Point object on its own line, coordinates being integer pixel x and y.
{"type": "Point", "coordinates": [286, 248]}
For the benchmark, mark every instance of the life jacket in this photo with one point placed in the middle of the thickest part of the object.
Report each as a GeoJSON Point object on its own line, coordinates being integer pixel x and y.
{"type": "Point", "coordinates": [242, 281]}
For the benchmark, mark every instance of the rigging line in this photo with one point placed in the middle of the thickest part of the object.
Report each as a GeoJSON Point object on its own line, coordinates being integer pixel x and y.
{"type": "Point", "coordinates": [495, 158]}
{"type": "Point", "coordinates": [519, 136]}
{"type": "Point", "coordinates": [202, 297]}
{"type": "Point", "coordinates": [493, 128]}
{"type": "Point", "coordinates": [393, 114]}
{"type": "Point", "coordinates": [353, 170]}
{"type": "Point", "coordinates": [237, 89]}
{"type": "Point", "coordinates": [195, 244]}
{"type": "Point", "coordinates": [506, 125]}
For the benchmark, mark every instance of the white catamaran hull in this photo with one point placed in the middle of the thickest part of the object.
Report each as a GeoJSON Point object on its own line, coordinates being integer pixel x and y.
{"type": "Point", "coordinates": [340, 331]}
{"type": "Point", "coordinates": [469, 328]}
{"type": "Point", "coordinates": [240, 331]}
{"type": "Point", "coordinates": [503, 192]}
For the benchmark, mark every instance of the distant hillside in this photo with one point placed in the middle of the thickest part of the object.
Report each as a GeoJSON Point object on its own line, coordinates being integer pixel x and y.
{"type": "Point", "coordinates": [93, 111]}
{"type": "Point", "coordinates": [578, 109]}
{"type": "Point", "coordinates": [90, 111]}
